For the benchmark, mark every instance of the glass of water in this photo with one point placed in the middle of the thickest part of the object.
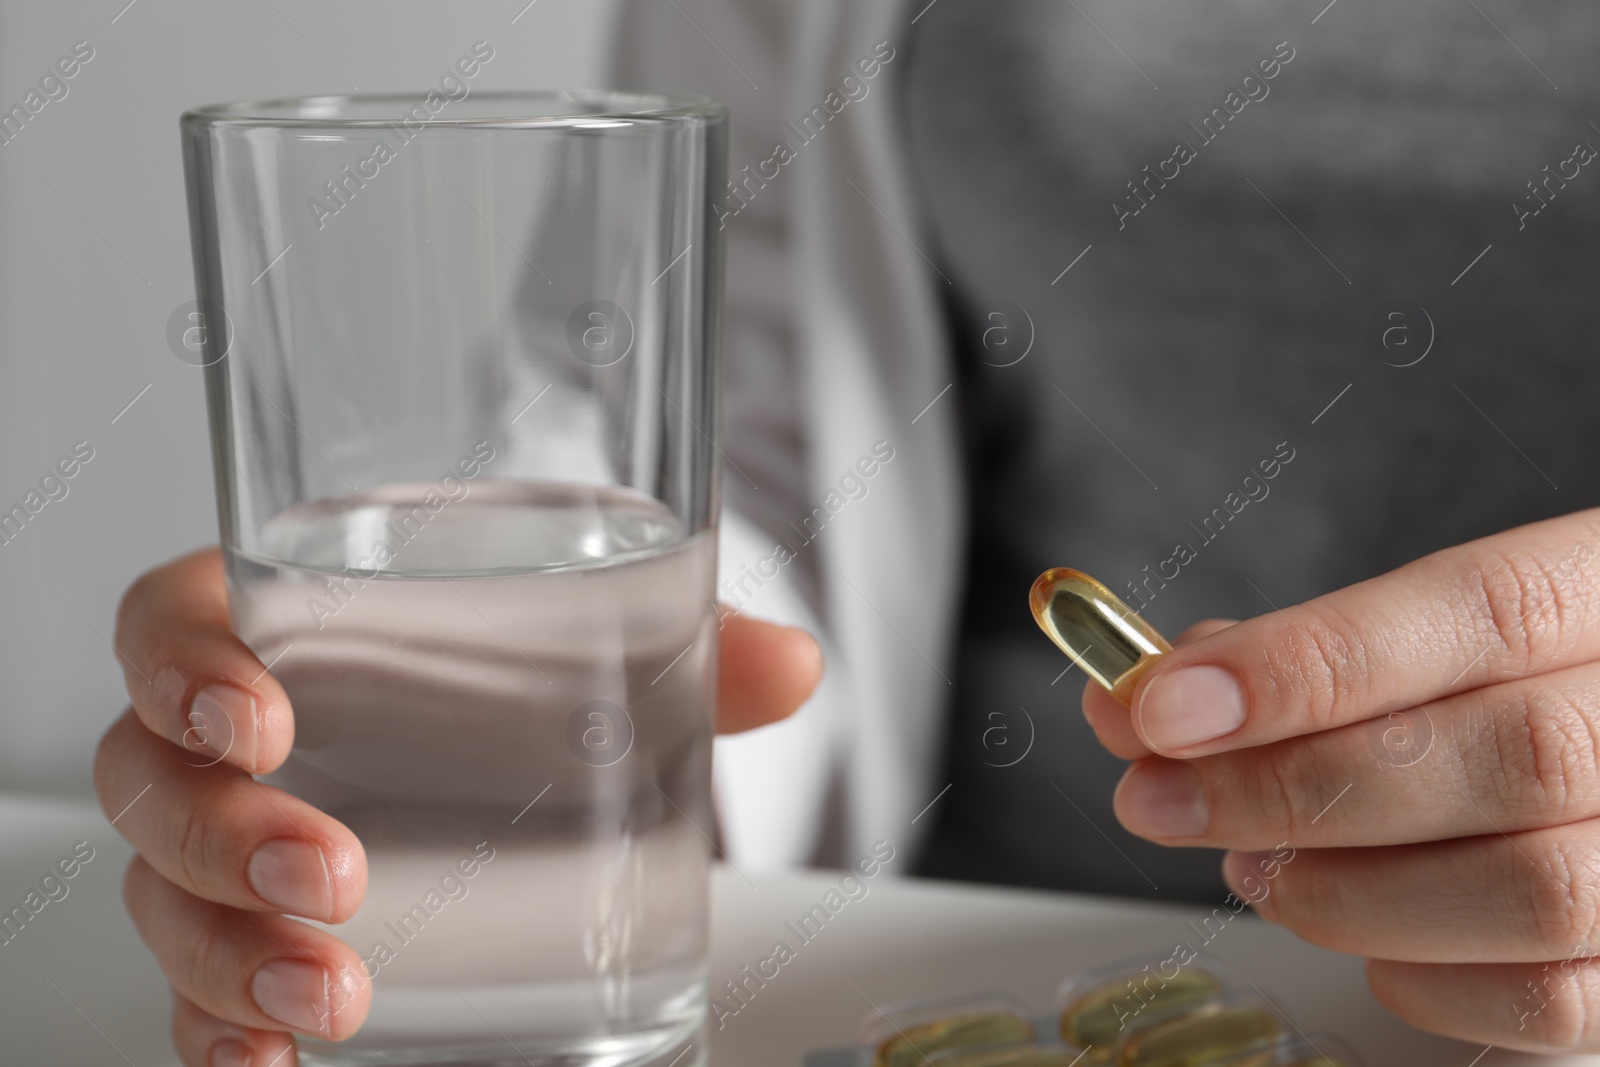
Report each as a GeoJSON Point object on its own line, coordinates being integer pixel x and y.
{"type": "Point", "coordinates": [461, 368]}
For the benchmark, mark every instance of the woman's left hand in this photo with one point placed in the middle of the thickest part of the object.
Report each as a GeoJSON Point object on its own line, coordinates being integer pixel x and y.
{"type": "Point", "coordinates": [1426, 745]}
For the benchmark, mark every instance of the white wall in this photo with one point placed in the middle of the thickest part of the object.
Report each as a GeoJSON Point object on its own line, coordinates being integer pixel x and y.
{"type": "Point", "coordinates": [83, 323]}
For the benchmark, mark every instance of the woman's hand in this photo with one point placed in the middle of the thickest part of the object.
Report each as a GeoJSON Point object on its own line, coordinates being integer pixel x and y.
{"type": "Point", "coordinates": [1427, 745]}
{"type": "Point", "coordinates": [222, 858]}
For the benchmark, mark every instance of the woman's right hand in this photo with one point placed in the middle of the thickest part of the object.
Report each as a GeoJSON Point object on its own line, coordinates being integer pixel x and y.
{"type": "Point", "coordinates": [223, 859]}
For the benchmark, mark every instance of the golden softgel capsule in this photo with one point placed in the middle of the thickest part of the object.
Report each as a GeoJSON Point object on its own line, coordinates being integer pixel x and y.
{"type": "Point", "coordinates": [1096, 1017]}
{"type": "Point", "coordinates": [1104, 636]}
{"type": "Point", "coordinates": [1243, 1034]}
{"type": "Point", "coordinates": [912, 1045]}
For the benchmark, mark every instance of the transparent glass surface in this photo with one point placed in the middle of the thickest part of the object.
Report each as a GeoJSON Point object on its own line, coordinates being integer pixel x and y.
{"type": "Point", "coordinates": [461, 369]}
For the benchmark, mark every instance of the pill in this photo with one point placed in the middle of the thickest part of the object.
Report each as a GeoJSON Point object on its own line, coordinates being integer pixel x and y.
{"type": "Point", "coordinates": [1096, 1019]}
{"type": "Point", "coordinates": [911, 1045]}
{"type": "Point", "coordinates": [1104, 636]}
{"type": "Point", "coordinates": [1242, 1036]}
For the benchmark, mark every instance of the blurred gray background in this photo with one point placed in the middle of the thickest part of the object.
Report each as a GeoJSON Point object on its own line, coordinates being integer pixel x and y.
{"type": "Point", "coordinates": [94, 258]}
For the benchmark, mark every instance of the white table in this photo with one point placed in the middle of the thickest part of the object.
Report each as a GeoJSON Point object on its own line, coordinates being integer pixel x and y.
{"type": "Point", "coordinates": [77, 988]}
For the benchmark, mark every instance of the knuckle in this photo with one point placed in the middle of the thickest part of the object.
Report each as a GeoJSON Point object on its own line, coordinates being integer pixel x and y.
{"type": "Point", "coordinates": [1564, 898]}
{"type": "Point", "coordinates": [1284, 789]}
{"type": "Point", "coordinates": [1320, 664]}
{"type": "Point", "coordinates": [1523, 605]}
{"type": "Point", "coordinates": [1311, 904]}
{"type": "Point", "coordinates": [205, 959]}
{"type": "Point", "coordinates": [1556, 1004]}
{"type": "Point", "coordinates": [195, 846]}
{"type": "Point", "coordinates": [1548, 753]}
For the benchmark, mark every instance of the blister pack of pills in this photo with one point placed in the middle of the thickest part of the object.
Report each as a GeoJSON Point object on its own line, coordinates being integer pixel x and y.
{"type": "Point", "coordinates": [1178, 1010]}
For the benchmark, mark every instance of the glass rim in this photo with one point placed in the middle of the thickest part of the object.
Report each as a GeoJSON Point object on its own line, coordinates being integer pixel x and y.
{"type": "Point", "coordinates": [541, 110]}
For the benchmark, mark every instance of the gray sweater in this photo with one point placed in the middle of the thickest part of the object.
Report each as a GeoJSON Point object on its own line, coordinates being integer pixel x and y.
{"type": "Point", "coordinates": [1321, 303]}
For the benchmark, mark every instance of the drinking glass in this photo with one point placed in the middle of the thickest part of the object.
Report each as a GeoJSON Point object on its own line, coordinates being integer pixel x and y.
{"type": "Point", "coordinates": [461, 370]}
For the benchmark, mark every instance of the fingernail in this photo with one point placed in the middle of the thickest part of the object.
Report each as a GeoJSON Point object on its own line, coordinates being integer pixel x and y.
{"type": "Point", "coordinates": [1190, 705]}
{"type": "Point", "coordinates": [295, 993]}
{"type": "Point", "coordinates": [1243, 871]}
{"type": "Point", "coordinates": [1163, 799]}
{"type": "Point", "coordinates": [293, 875]}
{"type": "Point", "coordinates": [230, 1053]}
{"type": "Point", "coordinates": [222, 721]}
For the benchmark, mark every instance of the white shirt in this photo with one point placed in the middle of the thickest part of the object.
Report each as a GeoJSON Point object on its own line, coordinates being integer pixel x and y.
{"type": "Point", "coordinates": [833, 345]}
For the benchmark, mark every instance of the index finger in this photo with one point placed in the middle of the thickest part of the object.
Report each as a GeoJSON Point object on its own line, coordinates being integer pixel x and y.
{"type": "Point", "coordinates": [1515, 604]}
{"type": "Point", "coordinates": [190, 678]}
